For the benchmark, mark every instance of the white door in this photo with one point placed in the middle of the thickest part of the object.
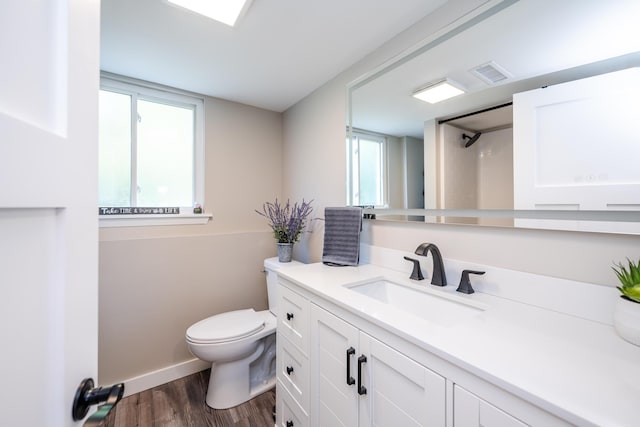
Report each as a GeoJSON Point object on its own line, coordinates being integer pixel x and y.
{"type": "Point", "coordinates": [49, 81]}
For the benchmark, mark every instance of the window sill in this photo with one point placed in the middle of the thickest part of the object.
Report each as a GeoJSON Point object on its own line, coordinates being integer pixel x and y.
{"type": "Point", "coordinates": [107, 221]}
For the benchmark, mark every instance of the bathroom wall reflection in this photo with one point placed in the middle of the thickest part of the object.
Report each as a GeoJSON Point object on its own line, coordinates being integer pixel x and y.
{"type": "Point", "coordinates": [567, 153]}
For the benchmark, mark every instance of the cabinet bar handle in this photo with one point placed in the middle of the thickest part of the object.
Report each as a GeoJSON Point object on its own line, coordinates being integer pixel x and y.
{"type": "Point", "coordinates": [361, 389]}
{"type": "Point", "coordinates": [289, 370]}
{"type": "Point", "coordinates": [350, 352]}
{"type": "Point", "coordinates": [289, 316]}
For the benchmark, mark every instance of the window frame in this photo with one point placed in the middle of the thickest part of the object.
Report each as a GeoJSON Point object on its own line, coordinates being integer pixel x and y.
{"type": "Point", "coordinates": [141, 90]}
{"type": "Point", "coordinates": [354, 137]}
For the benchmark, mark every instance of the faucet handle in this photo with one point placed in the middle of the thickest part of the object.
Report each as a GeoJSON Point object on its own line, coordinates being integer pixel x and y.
{"type": "Point", "coordinates": [416, 274]}
{"type": "Point", "coordinates": [465, 283]}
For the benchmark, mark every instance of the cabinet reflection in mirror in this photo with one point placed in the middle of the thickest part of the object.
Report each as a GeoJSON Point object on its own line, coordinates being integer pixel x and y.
{"type": "Point", "coordinates": [562, 139]}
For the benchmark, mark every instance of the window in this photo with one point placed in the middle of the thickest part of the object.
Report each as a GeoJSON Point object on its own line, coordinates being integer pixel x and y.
{"type": "Point", "coordinates": [151, 148]}
{"type": "Point", "coordinates": [366, 166]}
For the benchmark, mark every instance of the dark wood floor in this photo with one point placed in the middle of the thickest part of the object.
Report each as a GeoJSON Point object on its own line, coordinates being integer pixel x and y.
{"type": "Point", "coordinates": [181, 404]}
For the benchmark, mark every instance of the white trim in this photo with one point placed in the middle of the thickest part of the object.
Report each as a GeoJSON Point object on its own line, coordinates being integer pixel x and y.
{"type": "Point", "coordinates": [162, 376]}
{"type": "Point", "coordinates": [113, 78]}
{"type": "Point", "coordinates": [107, 221]}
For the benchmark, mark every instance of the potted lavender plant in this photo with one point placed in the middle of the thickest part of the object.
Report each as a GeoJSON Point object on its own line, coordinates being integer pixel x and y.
{"type": "Point", "coordinates": [287, 222]}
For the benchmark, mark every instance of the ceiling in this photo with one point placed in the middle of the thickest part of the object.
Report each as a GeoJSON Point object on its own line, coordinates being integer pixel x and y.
{"type": "Point", "coordinates": [279, 52]}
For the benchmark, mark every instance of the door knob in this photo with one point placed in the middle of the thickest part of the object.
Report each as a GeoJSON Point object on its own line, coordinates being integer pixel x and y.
{"type": "Point", "coordinates": [87, 395]}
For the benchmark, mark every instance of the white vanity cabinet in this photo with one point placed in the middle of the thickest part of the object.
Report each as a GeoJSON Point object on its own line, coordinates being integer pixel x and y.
{"type": "Point", "coordinates": [359, 381]}
{"type": "Point", "coordinates": [334, 368]}
{"type": "Point", "coordinates": [471, 411]}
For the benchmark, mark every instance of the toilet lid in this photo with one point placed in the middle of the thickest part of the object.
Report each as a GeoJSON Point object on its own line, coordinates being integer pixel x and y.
{"type": "Point", "coordinates": [227, 326]}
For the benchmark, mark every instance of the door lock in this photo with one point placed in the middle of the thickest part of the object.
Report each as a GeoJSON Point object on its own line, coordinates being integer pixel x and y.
{"type": "Point", "coordinates": [87, 395]}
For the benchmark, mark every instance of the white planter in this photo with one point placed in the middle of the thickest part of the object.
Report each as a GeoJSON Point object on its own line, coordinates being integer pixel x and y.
{"type": "Point", "coordinates": [626, 320]}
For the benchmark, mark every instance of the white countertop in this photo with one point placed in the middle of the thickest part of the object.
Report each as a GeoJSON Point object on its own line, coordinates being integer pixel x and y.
{"type": "Point", "coordinates": [578, 369]}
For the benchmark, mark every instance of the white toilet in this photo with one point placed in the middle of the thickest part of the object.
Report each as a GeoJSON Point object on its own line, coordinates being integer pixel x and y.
{"type": "Point", "coordinates": [241, 346]}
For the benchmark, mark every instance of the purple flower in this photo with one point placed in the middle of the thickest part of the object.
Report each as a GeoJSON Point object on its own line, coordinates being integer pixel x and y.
{"type": "Point", "coordinates": [287, 222]}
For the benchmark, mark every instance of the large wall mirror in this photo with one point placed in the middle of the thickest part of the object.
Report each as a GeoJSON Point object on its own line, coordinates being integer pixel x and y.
{"type": "Point", "coordinates": [544, 134]}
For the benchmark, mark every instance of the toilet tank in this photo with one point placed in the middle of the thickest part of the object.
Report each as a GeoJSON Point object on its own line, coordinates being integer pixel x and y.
{"type": "Point", "coordinates": [271, 265]}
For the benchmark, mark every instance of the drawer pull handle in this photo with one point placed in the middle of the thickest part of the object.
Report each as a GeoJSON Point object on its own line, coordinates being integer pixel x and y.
{"type": "Point", "coordinates": [289, 423]}
{"type": "Point", "coordinates": [361, 389]}
{"type": "Point", "coordinates": [350, 352]}
{"type": "Point", "coordinates": [289, 370]}
{"type": "Point", "coordinates": [289, 316]}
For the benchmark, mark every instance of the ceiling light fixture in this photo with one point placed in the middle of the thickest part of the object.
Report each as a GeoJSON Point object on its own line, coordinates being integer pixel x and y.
{"type": "Point", "coordinates": [225, 11]}
{"type": "Point", "coordinates": [436, 92]}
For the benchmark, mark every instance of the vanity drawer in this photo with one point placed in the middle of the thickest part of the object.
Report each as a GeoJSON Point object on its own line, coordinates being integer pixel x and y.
{"type": "Point", "coordinates": [293, 318]}
{"type": "Point", "coordinates": [293, 371]}
{"type": "Point", "coordinates": [288, 413]}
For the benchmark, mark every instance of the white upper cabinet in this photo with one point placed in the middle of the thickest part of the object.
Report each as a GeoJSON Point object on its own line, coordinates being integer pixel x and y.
{"type": "Point", "coordinates": [575, 143]}
{"type": "Point", "coordinates": [575, 146]}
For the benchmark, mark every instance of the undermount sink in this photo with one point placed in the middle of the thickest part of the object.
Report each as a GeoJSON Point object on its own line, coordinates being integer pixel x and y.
{"type": "Point", "coordinates": [444, 310]}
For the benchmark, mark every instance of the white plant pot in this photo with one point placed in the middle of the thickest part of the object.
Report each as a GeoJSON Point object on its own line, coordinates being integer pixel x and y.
{"type": "Point", "coordinates": [626, 320]}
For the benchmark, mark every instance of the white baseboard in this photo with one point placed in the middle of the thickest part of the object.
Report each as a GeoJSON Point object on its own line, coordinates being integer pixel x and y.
{"type": "Point", "coordinates": [162, 376]}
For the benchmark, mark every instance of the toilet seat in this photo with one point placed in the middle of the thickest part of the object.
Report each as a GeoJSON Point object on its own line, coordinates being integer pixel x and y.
{"type": "Point", "coordinates": [224, 327]}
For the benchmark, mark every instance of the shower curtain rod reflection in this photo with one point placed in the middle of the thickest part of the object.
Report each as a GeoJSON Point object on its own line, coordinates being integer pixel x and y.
{"type": "Point", "coordinates": [475, 112]}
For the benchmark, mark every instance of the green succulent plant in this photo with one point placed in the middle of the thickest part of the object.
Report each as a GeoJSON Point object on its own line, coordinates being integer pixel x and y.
{"type": "Point", "coordinates": [630, 279]}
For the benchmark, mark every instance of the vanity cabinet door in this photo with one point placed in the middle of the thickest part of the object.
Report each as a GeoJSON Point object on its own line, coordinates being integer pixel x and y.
{"type": "Point", "coordinates": [357, 380]}
{"type": "Point", "coordinates": [334, 402]}
{"type": "Point", "coordinates": [400, 392]}
{"type": "Point", "coordinates": [293, 318]}
{"type": "Point", "coordinates": [293, 372]}
{"type": "Point", "coordinates": [471, 411]}
{"type": "Point", "coordinates": [288, 411]}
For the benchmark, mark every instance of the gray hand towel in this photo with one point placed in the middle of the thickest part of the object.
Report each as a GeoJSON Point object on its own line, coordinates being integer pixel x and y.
{"type": "Point", "coordinates": [342, 236]}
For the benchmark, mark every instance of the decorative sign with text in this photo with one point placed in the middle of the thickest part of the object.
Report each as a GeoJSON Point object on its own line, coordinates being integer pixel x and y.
{"type": "Point", "coordinates": [138, 211]}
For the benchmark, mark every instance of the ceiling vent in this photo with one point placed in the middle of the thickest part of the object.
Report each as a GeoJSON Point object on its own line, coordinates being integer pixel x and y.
{"type": "Point", "coordinates": [490, 73]}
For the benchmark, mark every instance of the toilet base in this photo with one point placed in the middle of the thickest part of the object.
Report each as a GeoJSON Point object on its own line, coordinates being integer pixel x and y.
{"type": "Point", "coordinates": [266, 386]}
{"type": "Point", "coordinates": [234, 383]}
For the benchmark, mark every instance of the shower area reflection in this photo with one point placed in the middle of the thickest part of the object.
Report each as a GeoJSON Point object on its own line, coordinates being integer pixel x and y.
{"type": "Point", "coordinates": [474, 167]}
